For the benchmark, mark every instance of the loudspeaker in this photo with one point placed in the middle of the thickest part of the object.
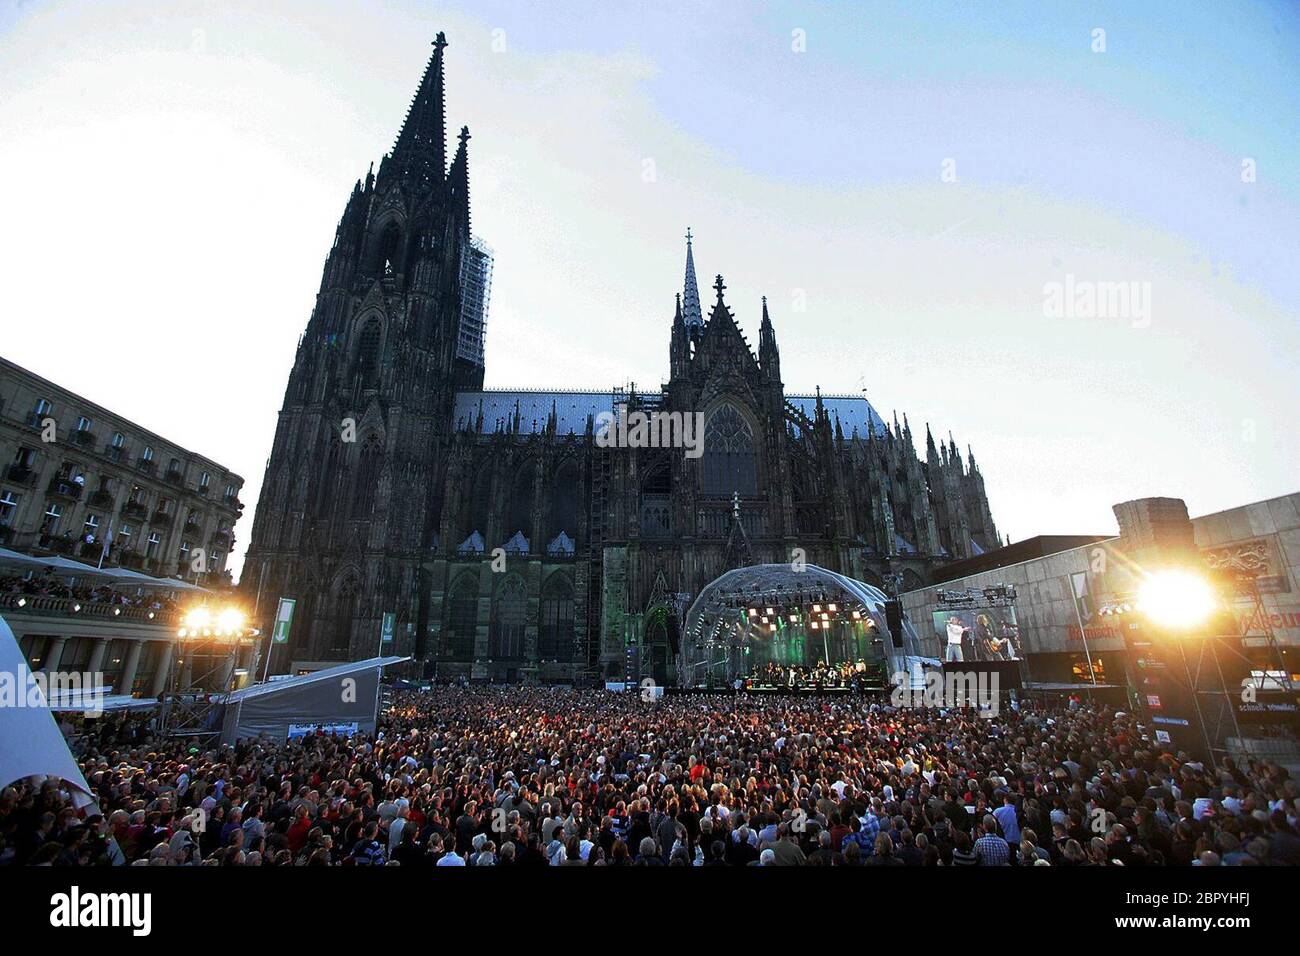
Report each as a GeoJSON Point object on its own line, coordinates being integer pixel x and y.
{"type": "Point", "coordinates": [894, 619]}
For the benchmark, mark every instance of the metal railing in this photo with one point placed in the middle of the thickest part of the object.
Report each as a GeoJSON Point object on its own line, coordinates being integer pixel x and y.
{"type": "Point", "coordinates": [75, 607]}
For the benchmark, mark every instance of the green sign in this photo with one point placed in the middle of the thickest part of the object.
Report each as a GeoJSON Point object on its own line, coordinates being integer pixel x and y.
{"type": "Point", "coordinates": [386, 629]}
{"type": "Point", "coordinates": [283, 620]}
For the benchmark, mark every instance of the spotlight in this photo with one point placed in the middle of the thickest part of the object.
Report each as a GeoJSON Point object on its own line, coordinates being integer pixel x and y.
{"type": "Point", "coordinates": [830, 607]}
{"type": "Point", "coordinates": [22, 602]}
{"type": "Point", "coordinates": [1176, 599]}
{"type": "Point", "coordinates": [230, 621]}
{"type": "Point", "coordinates": [76, 607]}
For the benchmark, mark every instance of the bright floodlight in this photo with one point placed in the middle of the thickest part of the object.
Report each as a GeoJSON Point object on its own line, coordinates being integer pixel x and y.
{"type": "Point", "coordinates": [198, 619]}
{"type": "Point", "coordinates": [231, 620]}
{"type": "Point", "coordinates": [1177, 599]}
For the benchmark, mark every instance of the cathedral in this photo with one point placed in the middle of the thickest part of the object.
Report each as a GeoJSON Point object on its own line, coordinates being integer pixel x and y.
{"type": "Point", "coordinates": [492, 529]}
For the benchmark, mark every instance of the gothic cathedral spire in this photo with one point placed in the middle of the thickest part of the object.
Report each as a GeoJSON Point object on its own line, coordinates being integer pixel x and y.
{"type": "Point", "coordinates": [691, 312]}
{"type": "Point", "coordinates": [421, 147]}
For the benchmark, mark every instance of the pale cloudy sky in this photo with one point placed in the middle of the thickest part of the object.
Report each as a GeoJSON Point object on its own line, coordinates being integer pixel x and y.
{"type": "Point", "coordinates": [173, 174]}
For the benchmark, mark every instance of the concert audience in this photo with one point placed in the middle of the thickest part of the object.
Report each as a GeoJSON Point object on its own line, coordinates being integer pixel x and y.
{"type": "Point", "coordinates": [47, 585]}
{"type": "Point", "coordinates": [551, 777]}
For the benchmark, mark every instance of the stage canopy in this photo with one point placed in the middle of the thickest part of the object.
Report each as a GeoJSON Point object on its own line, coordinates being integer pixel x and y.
{"type": "Point", "coordinates": [30, 741]}
{"type": "Point", "coordinates": [773, 612]}
{"type": "Point", "coordinates": [343, 699]}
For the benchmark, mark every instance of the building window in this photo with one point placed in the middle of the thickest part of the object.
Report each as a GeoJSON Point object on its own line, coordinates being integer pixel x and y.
{"type": "Point", "coordinates": [368, 469]}
{"type": "Point", "coordinates": [555, 628]}
{"type": "Point", "coordinates": [119, 440]}
{"type": "Point", "coordinates": [507, 632]}
{"type": "Point", "coordinates": [91, 527]}
{"type": "Point", "coordinates": [368, 354]}
{"type": "Point", "coordinates": [463, 619]}
{"type": "Point", "coordinates": [155, 541]}
{"type": "Point", "coordinates": [42, 407]}
{"type": "Point", "coordinates": [345, 612]}
{"type": "Point", "coordinates": [50, 523]}
{"type": "Point", "coordinates": [84, 424]}
{"type": "Point", "coordinates": [8, 507]}
{"type": "Point", "coordinates": [214, 560]}
{"type": "Point", "coordinates": [185, 552]}
{"type": "Point", "coordinates": [230, 492]}
{"type": "Point", "coordinates": [729, 462]}
{"type": "Point", "coordinates": [204, 480]}
{"type": "Point", "coordinates": [147, 454]}
{"type": "Point", "coordinates": [125, 536]}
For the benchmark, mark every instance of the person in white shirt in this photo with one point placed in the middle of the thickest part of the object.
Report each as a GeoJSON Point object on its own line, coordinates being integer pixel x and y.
{"type": "Point", "coordinates": [955, 631]}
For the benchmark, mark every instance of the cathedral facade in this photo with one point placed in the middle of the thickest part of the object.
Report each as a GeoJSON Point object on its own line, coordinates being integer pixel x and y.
{"type": "Point", "coordinates": [499, 531]}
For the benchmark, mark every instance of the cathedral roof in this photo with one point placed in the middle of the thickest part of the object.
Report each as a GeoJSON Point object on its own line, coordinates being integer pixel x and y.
{"type": "Point", "coordinates": [852, 411]}
{"type": "Point", "coordinates": [573, 406]}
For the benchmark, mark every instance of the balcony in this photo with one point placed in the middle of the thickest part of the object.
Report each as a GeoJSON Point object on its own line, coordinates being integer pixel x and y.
{"type": "Point", "coordinates": [203, 490]}
{"type": "Point", "coordinates": [161, 516]}
{"type": "Point", "coordinates": [222, 539]}
{"type": "Point", "coordinates": [175, 477]}
{"type": "Point", "coordinates": [20, 475]}
{"type": "Point", "coordinates": [115, 453]}
{"type": "Point", "coordinates": [135, 509]}
{"type": "Point", "coordinates": [131, 560]}
{"type": "Point", "coordinates": [231, 501]}
{"type": "Point", "coordinates": [66, 488]}
{"type": "Point", "coordinates": [100, 499]}
{"type": "Point", "coordinates": [193, 527]}
{"type": "Point", "coordinates": [146, 465]}
{"type": "Point", "coordinates": [34, 420]}
{"type": "Point", "coordinates": [72, 607]}
{"type": "Point", "coordinates": [59, 544]}
{"type": "Point", "coordinates": [84, 438]}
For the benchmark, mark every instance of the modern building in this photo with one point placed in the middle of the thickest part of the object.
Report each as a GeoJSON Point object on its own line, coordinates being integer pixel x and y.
{"type": "Point", "coordinates": [1079, 605]}
{"type": "Point", "coordinates": [503, 537]}
{"type": "Point", "coordinates": [81, 481]}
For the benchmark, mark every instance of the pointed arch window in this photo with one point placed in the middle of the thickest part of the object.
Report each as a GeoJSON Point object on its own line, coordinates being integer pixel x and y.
{"type": "Point", "coordinates": [555, 625]}
{"type": "Point", "coordinates": [729, 465]}
{"type": "Point", "coordinates": [368, 353]}
{"type": "Point", "coordinates": [521, 502]}
{"type": "Point", "coordinates": [345, 613]}
{"type": "Point", "coordinates": [564, 502]}
{"type": "Point", "coordinates": [506, 635]}
{"type": "Point", "coordinates": [463, 618]}
{"type": "Point", "coordinates": [369, 463]}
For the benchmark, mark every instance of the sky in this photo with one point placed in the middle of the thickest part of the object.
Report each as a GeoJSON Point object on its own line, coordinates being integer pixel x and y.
{"type": "Point", "coordinates": [908, 183]}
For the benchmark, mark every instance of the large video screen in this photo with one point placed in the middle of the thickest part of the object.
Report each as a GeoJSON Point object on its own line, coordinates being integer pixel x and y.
{"type": "Point", "coordinates": [981, 634]}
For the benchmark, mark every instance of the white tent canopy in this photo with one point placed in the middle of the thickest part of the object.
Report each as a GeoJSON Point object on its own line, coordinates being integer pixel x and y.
{"type": "Point", "coordinates": [344, 698]}
{"type": "Point", "coordinates": [66, 566]}
{"type": "Point", "coordinates": [30, 741]}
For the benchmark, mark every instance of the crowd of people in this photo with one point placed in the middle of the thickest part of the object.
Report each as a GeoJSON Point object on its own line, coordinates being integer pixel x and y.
{"type": "Point", "coordinates": [48, 585]}
{"type": "Point", "coordinates": [552, 777]}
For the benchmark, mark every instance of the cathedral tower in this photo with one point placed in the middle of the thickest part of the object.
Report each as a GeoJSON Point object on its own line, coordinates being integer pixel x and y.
{"type": "Point", "coordinates": [349, 495]}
